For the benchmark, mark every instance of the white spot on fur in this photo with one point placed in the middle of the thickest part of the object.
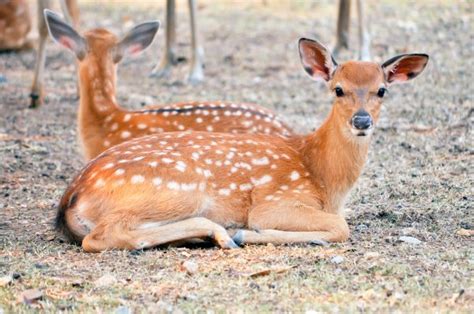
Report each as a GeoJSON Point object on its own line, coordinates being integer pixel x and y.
{"type": "Point", "coordinates": [125, 134]}
{"type": "Point", "coordinates": [294, 175]}
{"type": "Point", "coordinates": [167, 160]}
{"type": "Point", "coordinates": [157, 181]}
{"type": "Point", "coordinates": [127, 117]}
{"type": "Point", "coordinates": [119, 172]}
{"type": "Point", "coordinates": [99, 183]}
{"type": "Point", "coordinates": [153, 163]}
{"type": "Point", "coordinates": [180, 166]}
{"type": "Point", "coordinates": [263, 180]}
{"type": "Point", "coordinates": [245, 187]}
{"type": "Point", "coordinates": [108, 166]}
{"type": "Point", "coordinates": [261, 161]}
{"type": "Point", "coordinates": [173, 185]}
{"type": "Point", "coordinates": [225, 192]}
{"type": "Point", "coordinates": [136, 179]}
{"type": "Point", "coordinates": [142, 126]}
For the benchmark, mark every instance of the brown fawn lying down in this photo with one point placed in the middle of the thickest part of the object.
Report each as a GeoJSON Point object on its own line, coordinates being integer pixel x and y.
{"type": "Point", "coordinates": [176, 186]}
{"type": "Point", "coordinates": [102, 123]}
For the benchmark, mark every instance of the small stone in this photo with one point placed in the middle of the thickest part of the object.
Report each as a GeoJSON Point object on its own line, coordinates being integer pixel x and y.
{"type": "Point", "coordinates": [105, 280]}
{"type": "Point", "coordinates": [123, 310]}
{"type": "Point", "coordinates": [409, 240]}
{"type": "Point", "coordinates": [190, 267]}
{"type": "Point", "coordinates": [338, 259]}
{"type": "Point", "coordinates": [372, 255]}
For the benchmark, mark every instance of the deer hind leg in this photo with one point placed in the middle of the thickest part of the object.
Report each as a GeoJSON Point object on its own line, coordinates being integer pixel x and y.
{"type": "Point", "coordinates": [149, 235]}
{"type": "Point", "coordinates": [36, 95]}
{"type": "Point", "coordinates": [196, 74]}
{"type": "Point", "coordinates": [169, 59]}
{"type": "Point", "coordinates": [292, 222]}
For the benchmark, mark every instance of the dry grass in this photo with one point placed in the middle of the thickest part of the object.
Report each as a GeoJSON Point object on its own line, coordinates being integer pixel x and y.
{"type": "Point", "coordinates": [418, 180]}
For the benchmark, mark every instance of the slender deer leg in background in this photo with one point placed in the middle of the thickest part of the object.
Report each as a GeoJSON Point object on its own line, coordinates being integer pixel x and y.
{"type": "Point", "coordinates": [343, 23]}
{"type": "Point", "coordinates": [169, 59]}
{"type": "Point", "coordinates": [196, 73]}
{"type": "Point", "coordinates": [36, 94]}
{"type": "Point", "coordinates": [364, 36]}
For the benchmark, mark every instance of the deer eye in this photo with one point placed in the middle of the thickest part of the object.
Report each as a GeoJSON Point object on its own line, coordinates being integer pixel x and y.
{"type": "Point", "coordinates": [381, 92]}
{"type": "Point", "coordinates": [339, 91]}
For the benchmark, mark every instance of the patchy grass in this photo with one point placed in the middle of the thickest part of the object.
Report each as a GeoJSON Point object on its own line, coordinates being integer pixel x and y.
{"type": "Point", "coordinates": [418, 181]}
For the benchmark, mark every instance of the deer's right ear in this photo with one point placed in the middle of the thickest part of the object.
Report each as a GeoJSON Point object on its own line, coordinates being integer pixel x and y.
{"type": "Point", "coordinates": [316, 59]}
{"type": "Point", "coordinates": [136, 40]}
{"type": "Point", "coordinates": [64, 34]}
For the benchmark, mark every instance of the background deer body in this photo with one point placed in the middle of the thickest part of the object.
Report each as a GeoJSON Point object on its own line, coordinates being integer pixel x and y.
{"type": "Point", "coordinates": [102, 123]}
{"type": "Point", "coordinates": [15, 23]}
{"type": "Point", "coordinates": [149, 191]}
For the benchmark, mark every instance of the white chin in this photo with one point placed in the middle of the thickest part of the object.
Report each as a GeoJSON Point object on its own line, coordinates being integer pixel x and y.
{"type": "Point", "coordinates": [362, 133]}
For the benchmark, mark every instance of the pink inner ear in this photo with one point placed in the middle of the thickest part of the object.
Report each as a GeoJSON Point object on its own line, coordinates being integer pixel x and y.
{"type": "Point", "coordinates": [135, 49]}
{"type": "Point", "coordinates": [67, 42]}
{"type": "Point", "coordinates": [398, 77]}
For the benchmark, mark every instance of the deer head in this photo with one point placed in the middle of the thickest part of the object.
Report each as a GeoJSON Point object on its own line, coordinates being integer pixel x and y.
{"type": "Point", "coordinates": [359, 87]}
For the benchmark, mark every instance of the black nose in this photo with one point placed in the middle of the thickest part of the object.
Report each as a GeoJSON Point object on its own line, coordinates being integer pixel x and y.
{"type": "Point", "coordinates": [361, 120]}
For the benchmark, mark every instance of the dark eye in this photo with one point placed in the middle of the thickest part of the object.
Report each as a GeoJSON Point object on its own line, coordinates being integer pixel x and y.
{"type": "Point", "coordinates": [339, 91]}
{"type": "Point", "coordinates": [381, 92]}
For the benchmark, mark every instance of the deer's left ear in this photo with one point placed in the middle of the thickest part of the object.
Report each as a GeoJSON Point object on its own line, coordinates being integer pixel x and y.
{"type": "Point", "coordinates": [404, 67]}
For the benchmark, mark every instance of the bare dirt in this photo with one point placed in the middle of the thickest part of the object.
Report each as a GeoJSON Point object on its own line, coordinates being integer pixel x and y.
{"type": "Point", "coordinates": [418, 181]}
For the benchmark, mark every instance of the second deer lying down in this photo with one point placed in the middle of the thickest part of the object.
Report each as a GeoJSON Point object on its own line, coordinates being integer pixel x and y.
{"type": "Point", "coordinates": [101, 121]}
{"type": "Point", "coordinates": [168, 187]}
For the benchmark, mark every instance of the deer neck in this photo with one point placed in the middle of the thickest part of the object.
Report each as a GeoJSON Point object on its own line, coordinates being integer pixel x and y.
{"type": "Point", "coordinates": [335, 160]}
{"type": "Point", "coordinates": [97, 102]}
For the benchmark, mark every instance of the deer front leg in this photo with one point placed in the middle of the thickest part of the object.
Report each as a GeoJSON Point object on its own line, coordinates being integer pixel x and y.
{"type": "Point", "coordinates": [196, 73]}
{"type": "Point", "coordinates": [150, 234]}
{"type": "Point", "coordinates": [343, 24]}
{"type": "Point", "coordinates": [169, 59]}
{"type": "Point", "coordinates": [364, 36]}
{"type": "Point", "coordinates": [36, 94]}
{"type": "Point", "coordinates": [292, 222]}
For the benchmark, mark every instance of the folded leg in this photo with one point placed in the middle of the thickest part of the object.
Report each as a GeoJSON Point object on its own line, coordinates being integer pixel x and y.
{"type": "Point", "coordinates": [149, 234]}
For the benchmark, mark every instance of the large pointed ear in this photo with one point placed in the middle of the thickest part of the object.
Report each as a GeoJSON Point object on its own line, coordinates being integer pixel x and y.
{"type": "Point", "coordinates": [136, 40]}
{"type": "Point", "coordinates": [64, 34]}
{"type": "Point", "coordinates": [404, 67]}
{"type": "Point", "coordinates": [316, 59]}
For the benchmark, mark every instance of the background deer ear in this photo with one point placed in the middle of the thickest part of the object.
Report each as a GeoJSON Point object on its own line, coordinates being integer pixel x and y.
{"type": "Point", "coordinates": [136, 40]}
{"type": "Point", "coordinates": [316, 59]}
{"type": "Point", "coordinates": [404, 67]}
{"type": "Point", "coordinates": [64, 34]}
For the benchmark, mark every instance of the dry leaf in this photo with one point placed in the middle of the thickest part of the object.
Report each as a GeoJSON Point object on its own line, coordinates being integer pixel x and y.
{"type": "Point", "coordinates": [105, 280]}
{"type": "Point", "coordinates": [30, 296]}
{"type": "Point", "coordinates": [465, 232]}
{"type": "Point", "coordinates": [5, 281]}
{"type": "Point", "coordinates": [268, 271]}
{"type": "Point", "coordinates": [190, 267]}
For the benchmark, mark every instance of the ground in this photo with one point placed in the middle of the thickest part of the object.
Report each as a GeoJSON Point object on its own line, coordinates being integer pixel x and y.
{"type": "Point", "coordinates": [418, 181]}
